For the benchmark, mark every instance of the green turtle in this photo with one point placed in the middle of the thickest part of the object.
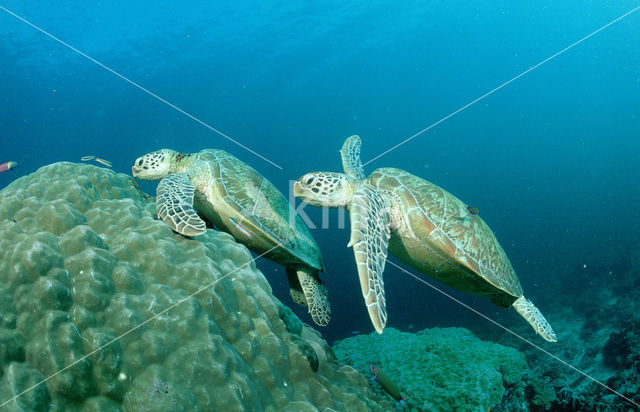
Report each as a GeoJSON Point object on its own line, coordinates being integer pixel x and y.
{"type": "Point", "coordinates": [238, 200]}
{"type": "Point", "coordinates": [422, 225]}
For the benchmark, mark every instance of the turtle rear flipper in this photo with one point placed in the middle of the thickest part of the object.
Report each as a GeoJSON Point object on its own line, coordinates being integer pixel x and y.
{"type": "Point", "coordinates": [174, 205]}
{"type": "Point", "coordinates": [531, 314]}
{"type": "Point", "coordinates": [370, 220]}
{"type": "Point", "coordinates": [295, 290]}
{"type": "Point", "coordinates": [307, 289]}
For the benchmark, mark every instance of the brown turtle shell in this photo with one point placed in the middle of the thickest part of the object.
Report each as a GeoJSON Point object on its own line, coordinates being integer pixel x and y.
{"type": "Point", "coordinates": [239, 200]}
{"type": "Point", "coordinates": [437, 234]}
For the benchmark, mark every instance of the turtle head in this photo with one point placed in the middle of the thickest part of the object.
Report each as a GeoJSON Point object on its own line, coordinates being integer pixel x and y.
{"type": "Point", "coordinates": [324, 189]}
{"type": "Point", "coordinates": [156, 165]}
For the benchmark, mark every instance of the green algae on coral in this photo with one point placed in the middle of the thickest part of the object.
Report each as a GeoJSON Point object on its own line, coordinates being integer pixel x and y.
{"type": "Point", "coordinates": [438, 369]}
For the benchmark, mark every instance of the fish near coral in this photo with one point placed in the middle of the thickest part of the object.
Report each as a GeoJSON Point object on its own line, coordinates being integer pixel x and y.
{"type": "Point", "coordinates": [8, 165]}
{"type": "Point", "coordinates": [388, 385]}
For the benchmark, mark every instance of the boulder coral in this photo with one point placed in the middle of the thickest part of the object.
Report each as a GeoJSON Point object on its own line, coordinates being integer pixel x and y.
{"type": "Point", "coordinates": [438, 369]}
{"type": "Point", "coordinates": [148, 319]}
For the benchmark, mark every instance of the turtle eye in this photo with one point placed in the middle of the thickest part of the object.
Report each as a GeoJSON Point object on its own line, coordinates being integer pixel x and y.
{"type": "Point", "coordinates": [139, 162]}
{"type": "Point", "coordinates": [310, 180]}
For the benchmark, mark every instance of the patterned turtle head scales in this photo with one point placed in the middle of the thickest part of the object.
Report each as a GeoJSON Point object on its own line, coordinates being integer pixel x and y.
{"type": "Point", "coordinates": [324, 189]}
{"type": "Point", "coordinates": [156, 165]}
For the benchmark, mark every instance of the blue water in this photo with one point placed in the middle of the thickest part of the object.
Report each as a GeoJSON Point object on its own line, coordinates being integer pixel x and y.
{"type": "Point", "coordinates": [551, 160]}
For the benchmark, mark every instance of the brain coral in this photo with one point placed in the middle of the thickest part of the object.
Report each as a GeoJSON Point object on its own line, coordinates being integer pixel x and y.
{"type": "Point", "coordinates": [438, 369]}
{"type": "Point", "coordinates": [83, 261]}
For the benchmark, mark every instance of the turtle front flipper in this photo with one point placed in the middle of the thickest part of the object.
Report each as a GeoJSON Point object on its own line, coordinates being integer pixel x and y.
{"type": "Point", "coordinates": [307, 289]}
{"type": "Point", "coordinates": [531, 314]}
{"type": "Point", "coordinates": [369, 214]}
{"type": "Point", "coordinates": [174, 205]}
{"type": "Point", "coordinates": [350, 153]}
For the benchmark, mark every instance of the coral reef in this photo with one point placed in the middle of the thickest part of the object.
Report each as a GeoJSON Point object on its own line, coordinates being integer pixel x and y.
{"type": "Point", "coordinates": [438, 369]}
{"type": "Point", "coordinates": [190, 324]}
{"type": "Point", "coordinates": [598, 324]}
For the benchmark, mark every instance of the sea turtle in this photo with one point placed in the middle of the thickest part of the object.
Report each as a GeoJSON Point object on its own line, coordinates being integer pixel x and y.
{"type": "Point", "coordinates": [238, 200]}
{"type": "Point", "coordinates": [424, 226]}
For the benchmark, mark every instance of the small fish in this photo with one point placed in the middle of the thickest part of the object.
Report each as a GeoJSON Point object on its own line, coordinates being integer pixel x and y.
{"type": "Point", "coordinates": [8, 165]}
{"type": "Point", "coordinates": [104, 162]}
{"type": "Point", "coordinates": [388, 385]}
{"type": "Point", "coordinates": [87, 158]}
{"type": "Point", "coordinates": [473, 210]}
{"type": "Point", "coordinates": [239, 226]}
{"type": "Point", "coordinates": [355, 332]}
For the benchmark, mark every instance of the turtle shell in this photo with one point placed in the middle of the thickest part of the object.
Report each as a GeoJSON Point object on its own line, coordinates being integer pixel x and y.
{"type": "Point", "coordinates": [238, 200]}
{"type": "Point", "coordinates": [440, 237]}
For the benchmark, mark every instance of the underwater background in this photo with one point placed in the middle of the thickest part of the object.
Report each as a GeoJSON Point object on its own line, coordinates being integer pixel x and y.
{"type": "Point", "coordinates": [551, 160]}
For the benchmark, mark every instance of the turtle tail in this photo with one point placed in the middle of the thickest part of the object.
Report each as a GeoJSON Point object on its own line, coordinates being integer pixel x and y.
{"type": "Point", "coordinates": [531, 314]}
